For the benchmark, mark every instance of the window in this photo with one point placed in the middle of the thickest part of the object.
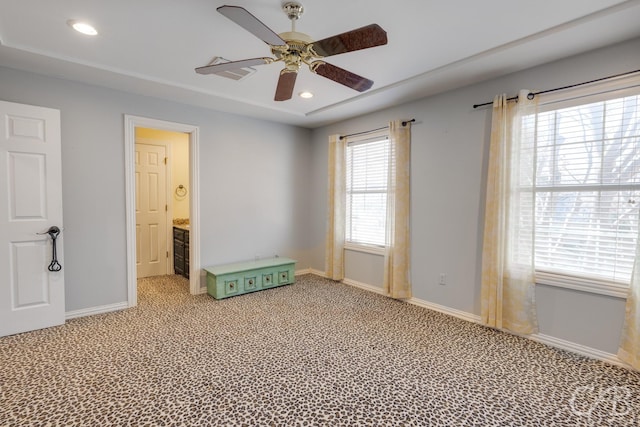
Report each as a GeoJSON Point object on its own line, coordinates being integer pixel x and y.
{"type": "Point", "coordinates": [587, 188]}
{"type": "Point", "coordinates": [367, 166]}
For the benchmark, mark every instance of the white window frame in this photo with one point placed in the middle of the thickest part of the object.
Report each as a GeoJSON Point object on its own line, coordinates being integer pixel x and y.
{"type": "Point", "coordinates": [617, 88]}
{"type": "Point", "coordinates": [357, 140]}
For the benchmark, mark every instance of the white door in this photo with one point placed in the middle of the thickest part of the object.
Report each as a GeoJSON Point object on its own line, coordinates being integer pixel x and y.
{"type": "Point", "coordinates": [31, 296]}
{"type": "Point", "coordinates": [151, 210]}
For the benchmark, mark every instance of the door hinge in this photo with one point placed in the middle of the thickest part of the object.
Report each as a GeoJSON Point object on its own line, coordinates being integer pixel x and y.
{"type": "Point", "coordinates": [165, 160]}
{"type": "Point", "coordinates": [167, 254]}
{"type": "Point", "coordinates": [166, 208]}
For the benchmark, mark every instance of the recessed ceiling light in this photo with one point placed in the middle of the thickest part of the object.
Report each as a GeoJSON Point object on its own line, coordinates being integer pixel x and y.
{"type": "Point", "coordinates": [82, 27]}
{"type": "Point", "coordinates": [305, 94]}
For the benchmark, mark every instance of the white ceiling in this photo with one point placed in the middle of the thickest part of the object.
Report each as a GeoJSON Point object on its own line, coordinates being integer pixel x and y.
{"type": "Point", "coordinates": [151, 47]}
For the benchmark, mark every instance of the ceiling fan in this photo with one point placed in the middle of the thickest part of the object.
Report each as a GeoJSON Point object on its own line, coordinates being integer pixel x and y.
{"type": "Point", "coordinates": [294, 49]}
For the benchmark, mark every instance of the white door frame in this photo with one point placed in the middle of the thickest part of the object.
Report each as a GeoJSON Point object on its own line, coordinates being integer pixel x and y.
{"type": "Point", "coordinates": [130, 125]}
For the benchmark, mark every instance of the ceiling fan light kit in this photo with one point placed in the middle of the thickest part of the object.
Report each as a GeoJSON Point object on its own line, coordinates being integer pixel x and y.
{"type": "Point", "coordinates": [294, 49]}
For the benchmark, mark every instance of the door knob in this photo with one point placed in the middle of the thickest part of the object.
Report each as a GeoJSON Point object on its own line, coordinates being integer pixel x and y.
{"type": "Point", "coordinates": [53, 232]}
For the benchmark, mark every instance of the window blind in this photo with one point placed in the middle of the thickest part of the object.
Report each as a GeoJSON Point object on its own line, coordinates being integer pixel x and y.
{"type": "Point", "coordinates": [587, 188]}
{"type": "Point", "coordinates": [366, 191]}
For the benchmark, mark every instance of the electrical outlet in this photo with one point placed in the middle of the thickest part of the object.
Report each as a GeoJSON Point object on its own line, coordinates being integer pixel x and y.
{"type": "Point", "coordinates": [257, 257]}
{"type": "Point", "coordinates": [443, 279]}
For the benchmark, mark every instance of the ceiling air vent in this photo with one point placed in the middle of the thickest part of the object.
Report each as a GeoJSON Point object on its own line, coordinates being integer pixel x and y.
{"type": "Point", "coordinates": [236, 74]}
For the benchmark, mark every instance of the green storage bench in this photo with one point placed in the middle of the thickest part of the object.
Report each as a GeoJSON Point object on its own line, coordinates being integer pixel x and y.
{"type": "Point", "coordinates": [243, 277]}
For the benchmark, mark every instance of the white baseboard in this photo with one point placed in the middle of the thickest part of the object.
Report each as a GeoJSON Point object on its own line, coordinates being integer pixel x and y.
{"type": "Point", "coordinates": [318, 273]}
{"type": "Point", "coordinates": [582, 350]}
{"type": "Point", "coordinates": [364, 286]}
{"type": "Point", "coordinates": [96, 310]}
{"type": "Point", "coordinates": [469, 317]}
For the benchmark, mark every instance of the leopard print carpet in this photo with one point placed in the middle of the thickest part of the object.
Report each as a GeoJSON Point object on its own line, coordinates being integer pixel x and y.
{"type": "Point", "coordinates": [316, 353]}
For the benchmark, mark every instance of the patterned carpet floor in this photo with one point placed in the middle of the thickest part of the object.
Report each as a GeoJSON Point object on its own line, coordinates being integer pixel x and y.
{"type": "Point", "coordinates": [316, 353]}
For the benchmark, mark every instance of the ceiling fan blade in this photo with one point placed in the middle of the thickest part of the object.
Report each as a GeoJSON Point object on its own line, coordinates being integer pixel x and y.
{"type": "Point", "coordinates": [233, 65]}
{"type": "Point", "coordinates": [361, 38]}
{"type": "Point", "coordinates": [341, 76]}
{"type": "Point", "coordinates": [246, 20]}
{"type": "Point", "coordinates": [286, 82]}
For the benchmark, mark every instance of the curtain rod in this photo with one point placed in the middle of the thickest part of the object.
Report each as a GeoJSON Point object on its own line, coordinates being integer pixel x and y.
{"type": "Point", "coordinates": [404, 123]}
{"type": "Point", "coordinates": [531, 95]}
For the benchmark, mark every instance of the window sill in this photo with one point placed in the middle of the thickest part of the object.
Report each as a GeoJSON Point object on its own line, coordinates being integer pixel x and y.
{"type": "Point", "coordinates": [375, 250]}
{"type": "Point", "coordinates": [593, 286]}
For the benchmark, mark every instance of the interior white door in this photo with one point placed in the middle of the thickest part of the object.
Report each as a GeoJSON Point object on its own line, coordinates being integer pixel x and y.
{"type": "Point", "coordinates": [151, 210]}
{"type": "Point", "coordinates": [31, 296]}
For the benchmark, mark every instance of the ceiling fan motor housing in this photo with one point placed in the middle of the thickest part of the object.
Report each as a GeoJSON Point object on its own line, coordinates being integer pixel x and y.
{"type": "Point", "coordinates": [297, 50]}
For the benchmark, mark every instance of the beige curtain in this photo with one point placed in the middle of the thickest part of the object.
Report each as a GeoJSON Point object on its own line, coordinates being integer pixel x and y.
{"type": "Point", "coordinates": [508, 282]}
{"type": "Point", "coordinates": [629, 351]}
{"type": "Point", "coordinates": [334, 252]}
{"type": "Point", "coordinates": [397, 258]}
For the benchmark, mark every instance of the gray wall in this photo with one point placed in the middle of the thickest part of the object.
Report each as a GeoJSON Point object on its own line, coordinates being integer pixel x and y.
{"type": "Point", "coordinates": [450, 143]}
{"type": "Point", "coordinates": [263, 189]}
{"type": "Point", "coordinates": [253, 182]}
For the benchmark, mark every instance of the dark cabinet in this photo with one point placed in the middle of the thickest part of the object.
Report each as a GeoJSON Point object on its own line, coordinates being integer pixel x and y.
{"type": "Point", "coordinates": [181, 251]}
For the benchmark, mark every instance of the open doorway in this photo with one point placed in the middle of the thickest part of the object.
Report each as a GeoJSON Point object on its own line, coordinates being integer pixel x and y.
{"type": "Point", "coordinates": [162, 202]}
{"type": "Point", "coordinates": [169, 198]}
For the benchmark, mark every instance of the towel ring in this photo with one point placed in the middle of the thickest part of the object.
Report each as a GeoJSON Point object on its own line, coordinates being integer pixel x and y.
{"type": "Point", "coordinates": [181, 191]}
